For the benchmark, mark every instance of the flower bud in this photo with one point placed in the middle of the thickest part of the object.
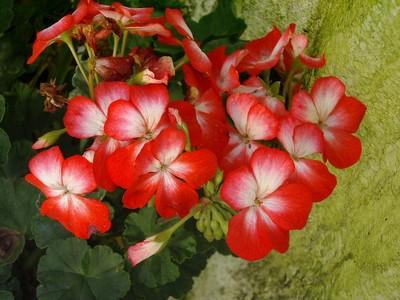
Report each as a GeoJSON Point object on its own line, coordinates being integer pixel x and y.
{"type": "Point", "coordinates": [48, 139]}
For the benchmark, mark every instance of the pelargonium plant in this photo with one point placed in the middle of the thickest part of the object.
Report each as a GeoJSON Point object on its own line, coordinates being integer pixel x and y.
{"type": "Point", "coordinates": [191, 141]}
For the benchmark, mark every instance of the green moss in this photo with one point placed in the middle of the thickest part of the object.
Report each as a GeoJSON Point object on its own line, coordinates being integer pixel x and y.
{"type": "Point", "coordinates": [350, 248]}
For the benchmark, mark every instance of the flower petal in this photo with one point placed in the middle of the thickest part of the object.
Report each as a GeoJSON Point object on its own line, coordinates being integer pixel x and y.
{"type": "Point", "coordinates": [271, 169]}
{"type": "Point", "coordinates": [124, 121]}
{"type": "Point", "coordinates": [195, 167]}
{"type": "Point", "coordinates": [108, 92]}
{"type": "Point", "coordinates": [303, 108]}
{"type": "Point", "coordinates": [239, 189]}
{"type": "Point", "coordinates": [77, 175]}
{"type": "Point", "coordinates": [326, 93]}
{"type": "Point", "coordinates": [175, 196]}
{"type": "Point", "coordinates": [316, 176]}
{"type": "Point", "coordinates": [46, 167]}
{"type": "Point", "coordinates": [84, 119]}
{"type": "Point", "coordinates": [289, 206]}
{"type": "Point", "coordinates": [198, 58]}
{"type": "Point", "coordinates": [342, 149]}
{"type": "Point", "coordinates": [252, 235]}
{"type": "Point", "coordinates": [141, 190]}
{"type": "Point", "coordinates": [238, 107]}
{"type": "Point", "coordinates": [82, 216]}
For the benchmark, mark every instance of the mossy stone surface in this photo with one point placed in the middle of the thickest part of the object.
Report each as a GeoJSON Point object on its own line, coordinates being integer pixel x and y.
{"type": "Point", "coordinates": [350, 248]}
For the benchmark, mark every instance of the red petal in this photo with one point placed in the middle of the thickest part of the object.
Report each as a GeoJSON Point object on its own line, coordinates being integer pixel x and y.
{"type": "Point", "coordinates": [174, 196]}
{"type": "Point", "coordinates": [152, 102]}
{"type": "Point", "coordinates": [198, 58]}
{"type": "Point", "coordinates": [82, 216]}
{"type": "Point", "coordinates": [195, 167]}
{"type": "Point", "coordinates": [38, 48]}
{"type": "Point", "coordinates": [342, 149]}
{"type": "Point", "coordinates": [175, 18]}
{"type": "Point", "coordinates": [289, 206]}
{"type": "Point", "coordinates": [77, 175]}
{"type": "Point", "coordinates": [261, 123]}
{"type": "Point", "coordinates": [326, 93]}
{"type": "Point", "coordinates": [141, 190]}
{"type": "Point", "coordinates": [347, 115]}
{"type": "Point", "coordinates": [239, 189]}
{"type": "Point", "coordinates": [312, 62]}
{"type": "Point", "coordinates": [303, 108]}
{"type": "Point", "coordinates": [238, 107]}
{"type": "Point", "coordinates": [252, 235]}
{"type": "Point", "coordinates": [316, 176]}
{"type": "Point", "coordinates": [271, 168]}
{"type": "Point", "coordinates": [121, 164]}
{"type": "Point", "coordinates": [308, 139]}
{"type": "Point", "coordinates": [46, 167]}
{"type": "Point", "coordinates": [64, 24]}
{"type": "Point", "coordinates": [84, 119]}
{"type": "Point", "coordinates": [108, 92]}
{"type": "Point", "coordinates": [101, 156]}
{"type": "Point", "coordinates": [124, 121]}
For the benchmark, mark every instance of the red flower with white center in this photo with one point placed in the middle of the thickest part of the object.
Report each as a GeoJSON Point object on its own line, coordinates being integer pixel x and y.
{"type": "Point", "coordinates": [300, 140]}
{"type": "Point", "coordinates": [264, 53]}
{"type": "Point", "coordinates": [173, 177]}
{"type": "Point", "coordinates": [48, 36]}
{"type": "Point", "coordinates": [85, 119]}
{"type": "Point", "coordinates": [141, 118]}
{"type": "Point", "coordinates": [269, 207]}
{"type": "Point", "coordinates": [253, 122]}
{"type": "Point", "coordinates": [63, 182]}
{"type": "Point", "coordinates": [337, 115]}
{"type": "Point", "coordinates": [224, 75]}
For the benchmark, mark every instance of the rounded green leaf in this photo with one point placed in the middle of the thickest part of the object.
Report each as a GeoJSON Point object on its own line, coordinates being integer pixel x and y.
{"type": "Point", "coordinates": [5, 146]}
{"type": "Point", "coordinates": [72, 270]}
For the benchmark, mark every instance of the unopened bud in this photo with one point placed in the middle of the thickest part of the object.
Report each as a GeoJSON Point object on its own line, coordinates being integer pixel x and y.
{"type": "Point", "coordinates": [48, 139]}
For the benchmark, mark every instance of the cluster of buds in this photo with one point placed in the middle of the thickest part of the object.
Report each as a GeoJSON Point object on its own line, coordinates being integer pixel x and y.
{"type": "Point", "coordinates": [245, 142]}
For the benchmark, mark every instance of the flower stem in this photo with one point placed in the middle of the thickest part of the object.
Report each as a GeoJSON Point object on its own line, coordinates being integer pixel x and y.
{"type": "Point", "coordinates": [116, 42]}
{"type": "Point", "coordinates": [67, 39]}
{"type": "Point", "coordinates": [124, 40]}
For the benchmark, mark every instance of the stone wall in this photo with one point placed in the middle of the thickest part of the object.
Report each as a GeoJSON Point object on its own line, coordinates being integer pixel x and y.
{"type": "Point", "coordinates": [350, 248]}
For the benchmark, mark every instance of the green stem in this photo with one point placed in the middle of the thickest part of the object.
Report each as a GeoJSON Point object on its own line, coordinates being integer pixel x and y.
{"type": "Point", "coordinates": [116, 42]}
{"type": "Point", "coordinates": [288, 81]}
{"type": "Point", "coordinates": [183, 61]}
{"type": "Point", "coordinates": [196, 209]}
{"type": "Point", "coordinates": [91, 64]}
{"type": "Point", "coordinates": [124, 40]}
{"type": "Point", "coordinates": [67, 39]}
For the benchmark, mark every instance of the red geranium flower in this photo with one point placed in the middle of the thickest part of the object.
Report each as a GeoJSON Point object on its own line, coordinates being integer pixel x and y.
{"type": "Point", "coordinates": [269, 207]}
{"type": "Point", "coordinates": [337, 115]}
{"type": "Point", "coordinates": [63, 182]}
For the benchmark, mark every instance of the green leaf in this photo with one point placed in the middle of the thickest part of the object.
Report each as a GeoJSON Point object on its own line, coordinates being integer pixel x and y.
{"type": "Point", "coordinates": [72, 270]}
{"type": "Point", "coordinates": [157, 269]}
{"type": "Point", "coordinates": [12, 286]}
{"type": "Point", "coordinates": [141, 225]}
{"type": "Point", "coordinates": [5, 146]}
{"type": "Point", "coordinates": [217, 24]}
{"type": "Point", "coordinates": [161, 268]}
{"type": "Point", "coordinates": [5, 272]}
{"type": "Point", "coordinates": [47, 231]}
{"type": "Point", "coordinates": [181, 286]}
{"type": "Point", "coordinates": [231, 45]}
{"type": "Point", "coordinates": [2, 107]}
{"type": "Point", "coordinates": [17, 204]}
{"type": "Point", "coordinates": [79, 82]}
{"type": "Point", "coordinates": [18, 158]}
{"type": "Point", "coordinates": [6, 14]}
{"type": "Point", "coordinates": [4, 295]}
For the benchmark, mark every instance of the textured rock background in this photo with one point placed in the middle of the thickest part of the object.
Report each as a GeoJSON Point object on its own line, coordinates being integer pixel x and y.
{"type": "Point", "coordinates": [350, 248]}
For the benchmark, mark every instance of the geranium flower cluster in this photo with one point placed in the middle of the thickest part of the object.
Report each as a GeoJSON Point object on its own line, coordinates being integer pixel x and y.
{"type": "Point", "coordinates": [239, 135]}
